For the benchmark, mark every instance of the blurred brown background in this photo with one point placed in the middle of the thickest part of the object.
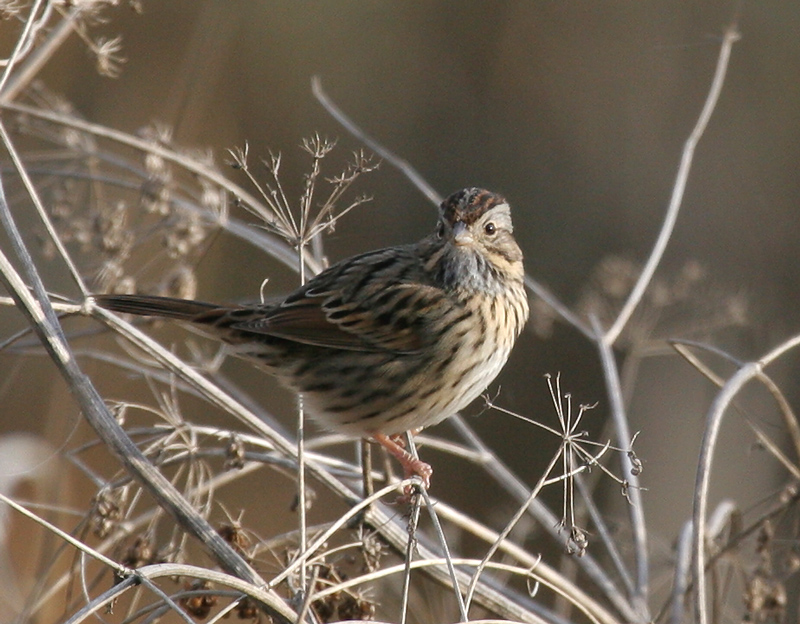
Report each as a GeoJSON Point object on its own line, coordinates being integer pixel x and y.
{"type": "Point", "coordinates": [576, 111]}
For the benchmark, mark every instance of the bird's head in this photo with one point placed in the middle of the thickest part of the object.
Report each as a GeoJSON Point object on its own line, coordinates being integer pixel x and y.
{"type": "Point", "coordinates": [475, 225]}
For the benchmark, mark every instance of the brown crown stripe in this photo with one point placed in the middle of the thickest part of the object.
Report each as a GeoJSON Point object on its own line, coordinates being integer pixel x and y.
{"type": "Point", "coordinates": [469, 205]}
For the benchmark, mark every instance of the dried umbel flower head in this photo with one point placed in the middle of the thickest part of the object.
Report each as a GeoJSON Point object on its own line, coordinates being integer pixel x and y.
{"type": "Point", "coordinates": [107, 510]}
{"type": "Point", "coordinates": [684, 305]}
{"type": "Point", "coordinates": [139, 553]}
{"type": "Point", "coordinates": [199, 602]}
{"type": "Point", "coordinates": [312, 217]}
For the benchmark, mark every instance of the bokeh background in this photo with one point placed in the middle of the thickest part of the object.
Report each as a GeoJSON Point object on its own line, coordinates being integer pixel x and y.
{"type": "Point", "coordinates": [576, 111]}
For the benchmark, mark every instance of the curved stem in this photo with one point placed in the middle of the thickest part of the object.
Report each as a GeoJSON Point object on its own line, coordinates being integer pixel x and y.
{"type": "Point", "coordinates": [731, 36]}
{"type": "Point", "coordinates": [713, 425]}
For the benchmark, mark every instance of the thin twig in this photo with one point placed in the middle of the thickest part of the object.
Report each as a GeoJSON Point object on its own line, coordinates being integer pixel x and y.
{"type": "Point", "coordinates": [708, 446]}
{"type": "Point", "coordinates": [307, 586]}
{"type": "Point", "coordinates": [120, 570]}
{"type": "Point", "coordinates": [462, 607]}
{"type": "Point", "coordinates": [790, 420]}
{"type": "Point", "coordinates": [560, 308]}
{"type": "Point", "coordinates": [683, 567]}
{"type": "Point", "coordinates": [611, 335]}
{"type": "Point", "coordinates": [335, 526]}
{"type": "Point", "coordinates": [277, 605]}
{"type": "Point", "coordinates": [54, 38]}
{"type": "Point", "coordinates": [23, 42]}
{"type": "Point", "coordinates": [411, 546]}
{"type": "Point", "coordinates": [546, 518]}
{"type": "Point", "coordinates": [42, 213]}
{"type": "Point", "coordinates": [605, 534]}
{"type": "Point", "coordinates": [510, 526]}
{"type": "Point", "coordinates": [407, 170]}
{"type": "Point", "coordinates": [636, 508]}
{"type": "Point", "coordinates": [301, 458]}
{"type": "Point", "coordinates": [168, 601]}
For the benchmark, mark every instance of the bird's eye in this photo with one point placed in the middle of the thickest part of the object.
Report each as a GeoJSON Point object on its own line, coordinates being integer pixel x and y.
{"type": "Point", "coordinates": [490, 228]}
{"type": "Point", "coordinates": [440, 230]}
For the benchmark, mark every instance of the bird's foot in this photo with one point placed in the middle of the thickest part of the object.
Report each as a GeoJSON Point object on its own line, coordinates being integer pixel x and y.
{"type": "Point", "coordinates": [412, 466]}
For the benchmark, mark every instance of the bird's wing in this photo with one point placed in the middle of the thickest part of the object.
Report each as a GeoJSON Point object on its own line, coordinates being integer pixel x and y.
{"type": "Point", "coordinates": [304, 322]}
{"type": "Point", "coordinates": [362, 305]}
{"type": "Point", "coordinates": [400, 321]}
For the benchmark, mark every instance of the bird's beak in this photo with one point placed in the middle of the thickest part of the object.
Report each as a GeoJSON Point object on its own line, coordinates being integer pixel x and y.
{"type": "Point", "coordinates": [461, 234]}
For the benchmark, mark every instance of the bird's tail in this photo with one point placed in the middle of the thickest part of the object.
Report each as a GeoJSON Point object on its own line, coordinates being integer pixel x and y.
{"type": "Point", "coordinates": [150, 305]}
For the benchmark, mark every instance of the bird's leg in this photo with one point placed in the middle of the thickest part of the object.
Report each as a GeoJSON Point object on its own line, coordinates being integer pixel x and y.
{"type": "Point", "coordinates": [399, 438]}
{"type": "Point", "coordinates": [412, 466]}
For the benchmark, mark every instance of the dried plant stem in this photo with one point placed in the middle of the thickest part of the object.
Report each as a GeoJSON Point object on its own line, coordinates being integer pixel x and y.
{"type": "Point", "coordinates": [790, 420]}
{"type": "Point", "coordinates": [276, 604]}
{"type": "Point", "coordinates": [546, 518]}
{"type": "Point", "coordinates": [451, 570]}
{"type": "Point", "coordinates": [41, 212]}
{"type": "Point", "coordinates": [606, 534]}
{"type": "Point", "coordinates": [404, 166]}
{"type": "Point", "coordinates": [95, 554]}
{"type": "Point", "coordinates": [23, 42]}
{"type": "Point", "coordinates": [331, 530]}
{"type": "Point", "coordinates": [416, 565]}
{"type": "Point", "coordinates": [36, 307]}
{"type": "Point", "coordinates": [636, 508]}
{"type": "Point", "coordinates": [748, 372]}
{"type": "Point", "coordinates": [510, 526]}
{"type": "Point", "coordinates": [411, 542]}
{"type": "Point", "coordinates": [301, 459]}
{"type": "Point", "coordinates": [301, 489]}
{"type": "Point", "coordinates": [611, 335]}
{"type": "Point", "coordinates": [278, 248]}
{"type": "Point", "coordinates": [168, 602]}
{"type": "Point", "coordinates": [542, 572]}
{"type": "Point", "coordinates": [682, 575]}
{"type": "Point", "coordinates": [54, 39]}
{"type": "Point", "coordinates": [560, 308]}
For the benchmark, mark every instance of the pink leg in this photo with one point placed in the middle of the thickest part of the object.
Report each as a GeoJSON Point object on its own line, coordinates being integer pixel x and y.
{"type": "Point", "coordinates": [411, 465]}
